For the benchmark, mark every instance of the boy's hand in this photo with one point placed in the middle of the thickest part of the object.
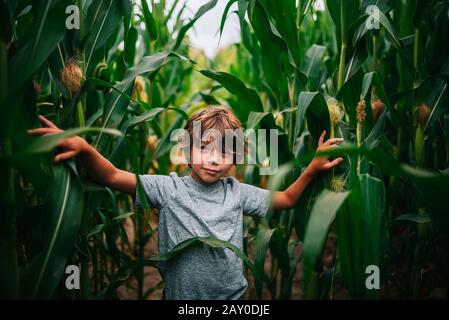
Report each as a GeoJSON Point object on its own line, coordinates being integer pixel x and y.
{"type": "Point", "coordinates": [287, 199]}
{"type": "Point", "coordinates": [70, 146]}
{"type": "Point", "coordinates": [321, 163]}
{"type": "Point", "coordinates": [98, 168]}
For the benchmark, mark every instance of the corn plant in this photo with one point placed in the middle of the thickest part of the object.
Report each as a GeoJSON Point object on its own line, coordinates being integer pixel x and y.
{"type": "Point", "coordinates": [379, 88]}
{"type": "Point", "coordinates": [372, 72]}
{"type": "Point", "coordinates": [119, 74]}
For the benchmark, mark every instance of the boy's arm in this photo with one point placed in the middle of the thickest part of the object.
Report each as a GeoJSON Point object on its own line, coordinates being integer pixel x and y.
{"type": "Point", "coordinates": [288, 198]}
{"type": "Point", "coordinates": [97, 167]}
{"type": "Point", "coordinates": [103, 172]}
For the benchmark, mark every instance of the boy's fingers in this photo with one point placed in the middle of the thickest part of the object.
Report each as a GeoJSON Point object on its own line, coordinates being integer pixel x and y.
{"type": "Point", "coordinates": [325, 148]}
{"type": "Point", "coordinates": [61, 143]}
{"type": "Point", "coordinates": [65, 156]}
{"type": "Point", "coordinates": [332, 147]}
{"type": "Point", "coordinates": [321, 139]}
{"type": "Point", "coordinates": [41, 131]}
{"type": "Point", "coordinates": [47, 122]}
{"type": "Point", "coordinates": [333, 140]}
{"type": "Point", "coordinates": [333, 163]}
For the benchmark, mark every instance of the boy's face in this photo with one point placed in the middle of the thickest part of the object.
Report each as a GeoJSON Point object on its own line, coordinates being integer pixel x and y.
{"type": "Point", "coordinates": [209, 164]}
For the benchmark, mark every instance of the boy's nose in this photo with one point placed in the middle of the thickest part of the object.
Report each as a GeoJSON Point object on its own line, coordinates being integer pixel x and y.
{"type": "Point", "coordinates": [213, 157]}
{"type": "Point", "coordinates": [212, 161]}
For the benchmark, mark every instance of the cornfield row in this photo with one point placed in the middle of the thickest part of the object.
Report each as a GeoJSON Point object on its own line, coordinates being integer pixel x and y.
{"type": "Point", "coordinates": [125, 80]}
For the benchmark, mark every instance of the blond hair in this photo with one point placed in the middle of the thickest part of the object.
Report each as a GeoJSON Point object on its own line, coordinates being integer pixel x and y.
{"type": "Point", "coordinates": [219, 118]}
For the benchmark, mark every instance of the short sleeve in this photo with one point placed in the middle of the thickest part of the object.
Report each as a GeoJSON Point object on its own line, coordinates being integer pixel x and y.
{"type": "Point", "coordinates": [156, 188]}
{"type": "Point", "coordinates": [255, 201]}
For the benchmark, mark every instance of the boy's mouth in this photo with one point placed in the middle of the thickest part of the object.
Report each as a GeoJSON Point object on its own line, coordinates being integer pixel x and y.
{"type": "Point", "coordinates": [212, 172]}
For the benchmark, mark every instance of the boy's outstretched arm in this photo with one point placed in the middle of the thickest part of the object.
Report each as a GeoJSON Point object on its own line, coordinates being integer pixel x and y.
{"type": "Point", "coordinates": [98, 168]}
{"type": "Point", "coordinates": [288, 198]}
{"type": "Point", "coordinates": [104, 172]}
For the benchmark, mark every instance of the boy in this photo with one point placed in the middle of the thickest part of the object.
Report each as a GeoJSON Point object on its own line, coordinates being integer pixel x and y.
{"type": "Point", "coordinates": [205, 203]}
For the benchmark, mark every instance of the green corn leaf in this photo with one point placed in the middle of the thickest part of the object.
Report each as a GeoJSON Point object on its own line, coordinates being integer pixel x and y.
{"type": "Point", "coordinates": [304, 207]}
{"type": "Point", "coordinates": [312, 65]}
{"type": "Point", "coordinates": [102, 19]}
{"type": "Point", "coordinates": [48, 29]}
{"type": "Point", "coordinates": [414, 217]}
{"type": "Point", "coordinates": [95, 230]}
{"type": "Point", "coordinates": [214, 243]}
{"type": "Point", "coordinates": [359, 226]}
{"type": "Point", "coordinates": [150, 22]}
{"type": "Point", "coordinates": [321, 217]}
{"type": "Point", "coordinates": [130, 46]}
{"type": "Point", "coordinates": [115, 103]}
{"type": "Point", "coordinates": [261, 245]}
{"type": "Point", "coordinates": [439, 97]}
{"type": "Point", "coordinates": [342, 18]}
{"type": "Point", "coordinates": [283, 13]}
{"type": "Point", "coordinates": [123, 216]}
{"type": "Point", "coordinates": [242, 8]}
{"type": "Point", "coordinates": [313, 106]}
{"type": "Point", "coordinates": [64, 207]}
{"type": "Point", "coordinates": [276, 58]}
{"type": "Point", "coordinates": [202, 10]}
{"type": "Point", "coordinates": [146, 116]}
{"type": "Point", "coordinates": [224, 16]}
{"type": "Point", "coordinates": [48, 142]}
{"type": "Point", "coordinates": [249, 99]}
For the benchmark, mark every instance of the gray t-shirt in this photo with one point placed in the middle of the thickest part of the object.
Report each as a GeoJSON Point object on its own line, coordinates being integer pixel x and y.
{"type": "Point", "coordinates": [188, 209]}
